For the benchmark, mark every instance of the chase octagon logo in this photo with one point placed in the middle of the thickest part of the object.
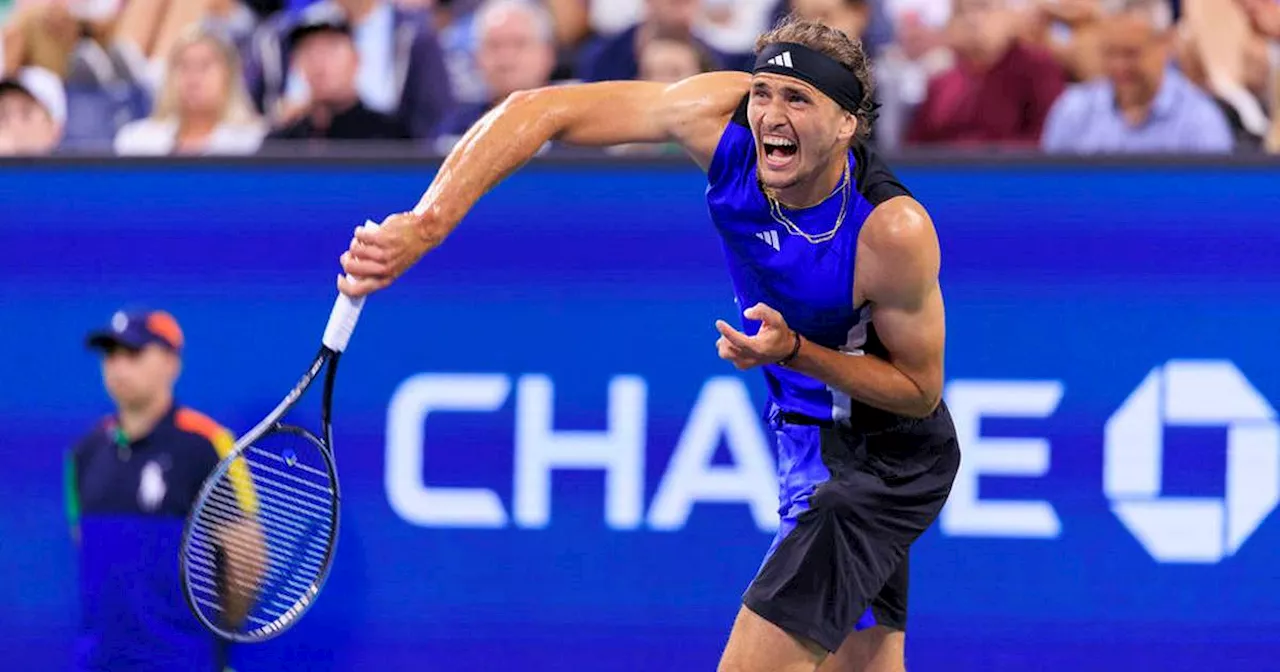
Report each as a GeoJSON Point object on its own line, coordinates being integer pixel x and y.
{"type": "Point", "coordinates": [1192, 393]}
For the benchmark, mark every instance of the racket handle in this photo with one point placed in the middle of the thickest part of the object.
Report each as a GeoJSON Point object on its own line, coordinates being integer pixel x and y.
{"type": "Point", "coordinates": [343, 317]}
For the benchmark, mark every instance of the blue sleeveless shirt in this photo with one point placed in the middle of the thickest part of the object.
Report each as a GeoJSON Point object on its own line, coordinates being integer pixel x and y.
{"type": "Point", "coordinates": [810, 283]}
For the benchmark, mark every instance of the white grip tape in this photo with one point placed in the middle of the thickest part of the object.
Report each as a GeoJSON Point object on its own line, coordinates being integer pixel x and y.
{"type": "Point", "coordinates": [342, 320]}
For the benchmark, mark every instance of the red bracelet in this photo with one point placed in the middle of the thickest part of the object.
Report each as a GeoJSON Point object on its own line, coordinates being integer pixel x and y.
{"type": "Point", "coordinates": [795, 350]}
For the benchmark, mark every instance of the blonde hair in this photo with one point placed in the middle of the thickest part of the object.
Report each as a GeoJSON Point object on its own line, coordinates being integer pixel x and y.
{"type": "Point", "coordinates": [236, 108]}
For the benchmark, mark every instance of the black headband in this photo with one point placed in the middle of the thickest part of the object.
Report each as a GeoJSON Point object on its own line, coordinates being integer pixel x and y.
{"type": "Point", "coordinates": [814, 67]}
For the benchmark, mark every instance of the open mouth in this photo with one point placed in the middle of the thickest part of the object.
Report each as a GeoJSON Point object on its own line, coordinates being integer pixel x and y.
{"type": "Point", "coordinates": [779, 151]}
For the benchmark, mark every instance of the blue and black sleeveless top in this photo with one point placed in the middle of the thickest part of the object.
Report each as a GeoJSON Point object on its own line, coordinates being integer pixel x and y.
{"type": "Point", "coordinates": [797, 261]}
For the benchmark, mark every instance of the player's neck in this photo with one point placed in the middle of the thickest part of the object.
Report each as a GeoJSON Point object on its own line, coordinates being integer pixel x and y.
{"type": "Point", "coordinates": [138, 421]}
{"type": "Point", "coordinates": [809, 193]}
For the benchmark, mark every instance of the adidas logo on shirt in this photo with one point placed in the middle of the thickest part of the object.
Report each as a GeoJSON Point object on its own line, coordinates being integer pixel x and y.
{"type": "Point", "coordinates": [783, 59]}
{"type": "Point", "coordinates": [770, 237]}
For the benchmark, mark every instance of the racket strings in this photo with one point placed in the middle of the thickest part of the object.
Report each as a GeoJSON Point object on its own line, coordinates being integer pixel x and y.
{"type": "Point", "coordinates": [259, 541]}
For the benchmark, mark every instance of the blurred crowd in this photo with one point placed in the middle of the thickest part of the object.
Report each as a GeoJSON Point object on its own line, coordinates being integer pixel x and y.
{"type": "Point", "coordinates": [237, 77]}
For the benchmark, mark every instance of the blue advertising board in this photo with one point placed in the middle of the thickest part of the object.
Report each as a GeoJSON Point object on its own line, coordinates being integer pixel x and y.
{"type": "Point", "coordinates": [546, 467]}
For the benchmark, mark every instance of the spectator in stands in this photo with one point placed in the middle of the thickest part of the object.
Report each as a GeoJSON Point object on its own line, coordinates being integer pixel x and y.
{"type": "Point", "coordinates": [109, 54]}
{"type": "Point", "coordinates": [904, 68]}
{"type": "Point", "coordinates": [233, 21]}
{"type": "Point", "coordinates": [1264, 15]}
{"type": "Point", "coordinates": [607, 18]}
{"type": "Point", "coordinates": [1243, 106]}
{"type": "Point", "coordinates": [456, 20]}
{"type": "Point", "coordinates": [33, 110]}
{"type": "Point", "coordinates": [848, 16]}
{"type": "Point", "coordinates": [202, 106]}
{"type": "Point", "coordinates": [147, 31]}
{"type": "Point", "coordinates": [516, 52]}
{"type": "Point", "coordinates": [401, 67]}
{"type": "Point", "coordinates": [1069, 30]}
{"type": "Point", "coordinates": [264, 8]}
{"type": "Point", "coordinates": [731, 27]}
{"type": "Point", "coordinates": [458, 37]}
{"type": "Point", "coordinates": [1143, 105]}
{"type": "Point", "coordinates": [667, 59]}
{"type": "Point", "coordinates": [72, 40]}
{"type": "Point", "coordinates": [325, 54]}
{"type": "Point", "coordinates": [999, 91]}
{"type": "Point", "coordinates": [618, 57]}
{"type": "Point", "coordinates": [1221, 54]}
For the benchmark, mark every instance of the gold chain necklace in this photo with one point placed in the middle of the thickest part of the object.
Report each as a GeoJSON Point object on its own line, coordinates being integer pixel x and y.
{"type": "Point", "coordinates": [775, 210]}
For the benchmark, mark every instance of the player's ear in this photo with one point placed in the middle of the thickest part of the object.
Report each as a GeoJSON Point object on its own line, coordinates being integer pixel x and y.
{"type": "Point", "coordinates": [848, 128]}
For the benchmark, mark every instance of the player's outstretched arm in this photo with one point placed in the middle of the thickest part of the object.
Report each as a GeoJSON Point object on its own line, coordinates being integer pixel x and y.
{"type": "Point", "coordinates": [898, 262]}
{"type": "Point", "coordinates": [692, 112]}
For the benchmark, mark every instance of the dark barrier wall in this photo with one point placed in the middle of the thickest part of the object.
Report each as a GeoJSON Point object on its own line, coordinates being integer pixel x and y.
{"type": "Point", "coordinates": [1111, 368]}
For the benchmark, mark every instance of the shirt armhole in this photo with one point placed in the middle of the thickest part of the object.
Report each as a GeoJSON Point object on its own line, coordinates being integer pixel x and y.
{"type": "Point", "coordinates": [876, 181]}
{"type": "Point", "coordinates": [732, 149]}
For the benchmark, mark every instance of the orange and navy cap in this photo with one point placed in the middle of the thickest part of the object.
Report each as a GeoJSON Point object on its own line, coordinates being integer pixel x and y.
{"type": "Point", "coordinates": [135, 329]}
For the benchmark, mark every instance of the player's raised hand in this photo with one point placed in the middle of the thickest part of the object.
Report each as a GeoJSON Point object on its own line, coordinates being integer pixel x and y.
{"type": "Point", "coordinates": [773, 342]}
{"type": "Point", "coordinates": [377, 256]}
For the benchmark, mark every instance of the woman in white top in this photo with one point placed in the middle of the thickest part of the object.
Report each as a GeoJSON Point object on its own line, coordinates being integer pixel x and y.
{"type": "Point", "coordinates": [203, 107]}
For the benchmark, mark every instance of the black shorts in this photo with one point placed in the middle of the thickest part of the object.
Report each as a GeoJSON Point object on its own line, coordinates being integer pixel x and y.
{"type": "Point", "coordinates": [854, 500]}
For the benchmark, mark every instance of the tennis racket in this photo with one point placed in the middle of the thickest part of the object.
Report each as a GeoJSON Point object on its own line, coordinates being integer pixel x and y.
{"type": "Point", "coordinates": [259, 541]}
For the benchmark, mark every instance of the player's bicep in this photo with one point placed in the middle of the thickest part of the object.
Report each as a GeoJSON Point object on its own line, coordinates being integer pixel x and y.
{"type": "Point", "coordinates": [900, 249]}
{"type": "Point", "coordinates": [691, 112]}
{"type": "Point", "coordinates": [915, 337]}
{"type": "Point", "coordinates": [608, 113]}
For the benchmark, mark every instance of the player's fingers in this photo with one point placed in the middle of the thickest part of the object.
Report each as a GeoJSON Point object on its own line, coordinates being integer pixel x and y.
{"type": "Point", "coordinates": [370, 236]}
{"type": "Point", "coordinates": [361, 287]}
{"type": "Point", "coordinates": [734, 336]}
{"type": "Point", "coordinates": [764, 313]}
{"type": "Point", "coordinates": [362, 267]}
{"type": "Point", "coordinates": [726, 350]}
{"type": "Point", "coordinates": [363, 251]}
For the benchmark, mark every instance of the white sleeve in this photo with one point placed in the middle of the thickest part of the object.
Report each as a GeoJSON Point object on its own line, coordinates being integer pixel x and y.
{"type": "Point", "coordinates": [143, 138]}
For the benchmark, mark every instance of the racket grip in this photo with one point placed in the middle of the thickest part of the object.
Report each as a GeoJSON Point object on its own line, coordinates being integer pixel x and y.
{"type": "Point", "coordinates": [343, 317]}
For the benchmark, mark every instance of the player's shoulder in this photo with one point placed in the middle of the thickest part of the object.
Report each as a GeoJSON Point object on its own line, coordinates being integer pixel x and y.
{"type": "Point", "coordinates": [700, 111]}
{"type": "Point", "coordinates": [900, 228]}
{"type": "Point", "coordinates": [710, 97]}
{"type": "Point", "coordinates": [722, 84]}
{"type": "Point", "coordinates": [200, 426]}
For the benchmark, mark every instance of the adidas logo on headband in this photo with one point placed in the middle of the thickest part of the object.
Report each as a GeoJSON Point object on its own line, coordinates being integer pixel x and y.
{"type": "Point", "coordinates": [783, 59]}
{"type": "Point", "coordinates": [791, 59]}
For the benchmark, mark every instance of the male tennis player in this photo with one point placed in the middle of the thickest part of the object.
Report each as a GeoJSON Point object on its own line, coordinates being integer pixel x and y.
{"type": "Point", "coordinates": [852, 353]}
{"type": "Point", "coordinates": [130, 482]}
